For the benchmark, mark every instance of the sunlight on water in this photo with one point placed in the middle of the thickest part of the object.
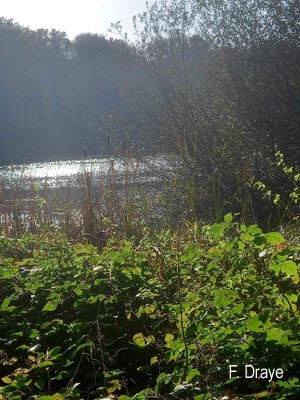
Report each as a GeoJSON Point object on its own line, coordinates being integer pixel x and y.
{"type": "Point", "coordinates": [61, 173]}
{"type": "Point", "coordinates": [52, 169]}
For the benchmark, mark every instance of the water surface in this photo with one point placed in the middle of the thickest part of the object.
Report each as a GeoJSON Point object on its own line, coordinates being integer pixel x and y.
{"type": "Point", "coordinates": [66, 173]}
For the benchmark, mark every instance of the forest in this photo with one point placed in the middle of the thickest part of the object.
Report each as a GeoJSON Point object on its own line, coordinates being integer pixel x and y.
{"type": "Point", "coordinates": [119, 288]}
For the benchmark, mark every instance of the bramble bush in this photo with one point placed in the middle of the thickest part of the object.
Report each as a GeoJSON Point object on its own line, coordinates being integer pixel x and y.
{"type": "Point", "coordinates": [159, 319]}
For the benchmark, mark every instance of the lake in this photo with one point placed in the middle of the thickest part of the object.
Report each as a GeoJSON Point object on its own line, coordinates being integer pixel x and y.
{"type": "Point", "coordinates": [57, 174]}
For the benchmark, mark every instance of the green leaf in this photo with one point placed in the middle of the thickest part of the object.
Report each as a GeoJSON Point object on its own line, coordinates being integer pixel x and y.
{"type": "Point", "coordinates": [55, 396]}
{"type": "Point", "coordinates": [50, 306]}
{"type": "Point", "coordinates": [218, 230]}
{"type": "Point", "coordinates": [204, 396]}
{"type": "Point", "coordinates": [254, 324]}
{"type": "Point", "coordinates": [55, 321]}
{"type": "Point", "coordinates": [169, 337]}
{"type": "Point", "coordinates": [6, 303]}
{"type": "Point", "coordinates": [228, 218]}
{"type": "Point", "coordinates": [191, 375]}
{"type": "Point", "coordinates": [45, 364]}
{"type": "Point", "coordinates": [6, 379]}
{"type": "Point", "coordinates": [289, 267]}
{"type": "Point", "coordinates": [274, 334]}
{"type": "Point", "coordinates": [254, 230]}
{"type": "Point", "coordinates": [259, 241]}
{"type": "Point", "coordinates": [274, 238]}
{"type": "Point", "coordinates": [149, 309]}
{"type": "Point", "coordinates": [140, 340]}
{"type": "Point", "coordinates": [153, 360]}
{"type": "Point", "coordinates": [262, 394]}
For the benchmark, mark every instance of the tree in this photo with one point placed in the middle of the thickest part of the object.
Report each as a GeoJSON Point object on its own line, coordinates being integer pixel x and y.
{"type": "Point", "coordinates": [223, 76]}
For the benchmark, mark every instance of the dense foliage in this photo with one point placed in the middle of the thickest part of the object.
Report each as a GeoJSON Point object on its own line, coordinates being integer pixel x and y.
{"type": "Point", "coordinates": [222, 82]}
{"type": "Point", "coordinates": [159, 319]}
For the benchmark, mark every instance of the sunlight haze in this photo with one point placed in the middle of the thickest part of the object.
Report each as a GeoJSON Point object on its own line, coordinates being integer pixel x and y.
{"type": "Point", "coordinates": [73, 17]}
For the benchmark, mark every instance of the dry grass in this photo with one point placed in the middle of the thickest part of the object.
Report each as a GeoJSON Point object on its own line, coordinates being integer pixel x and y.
{"type": "Point", "coordinates": [91, 210]}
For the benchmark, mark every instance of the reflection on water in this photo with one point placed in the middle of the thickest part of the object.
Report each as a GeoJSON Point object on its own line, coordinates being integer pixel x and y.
{"type": "Point", "coordinates": [76, 195]}
{"type": "Point", "coordinates": [62, 173]}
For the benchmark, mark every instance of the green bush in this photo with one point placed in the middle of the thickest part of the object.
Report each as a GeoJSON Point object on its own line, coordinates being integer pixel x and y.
{"type": "Point", "coordinates": [161, 319]}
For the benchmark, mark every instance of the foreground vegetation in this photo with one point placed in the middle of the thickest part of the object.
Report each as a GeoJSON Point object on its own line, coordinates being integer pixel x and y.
{"type": "Point", "coordinates": [159, 318]}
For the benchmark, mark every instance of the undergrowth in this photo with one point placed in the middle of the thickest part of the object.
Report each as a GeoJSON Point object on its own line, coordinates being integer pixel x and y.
{"type": "Point", "coordinates": [162, 318]}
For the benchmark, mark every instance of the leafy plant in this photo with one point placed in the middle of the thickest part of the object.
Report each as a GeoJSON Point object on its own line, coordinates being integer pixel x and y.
{"type": "Point", "coordinates": [162, 318]}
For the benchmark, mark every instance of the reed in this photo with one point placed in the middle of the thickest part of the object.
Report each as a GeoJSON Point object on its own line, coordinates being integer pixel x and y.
{"type": "Point", "coordinates": [97, 207]}
{"type": "Point", "coordinates": [122, 201]}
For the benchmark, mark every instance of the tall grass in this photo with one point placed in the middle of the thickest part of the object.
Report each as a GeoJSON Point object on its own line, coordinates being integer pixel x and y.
{"type": "Point", "coordinates": [119, 201]}
{"type": "Point", "coordinates": [97, 206]}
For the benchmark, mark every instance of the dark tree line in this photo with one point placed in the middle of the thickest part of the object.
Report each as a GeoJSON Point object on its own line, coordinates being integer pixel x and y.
{"type": "Point", "coordinates": [54, 93]}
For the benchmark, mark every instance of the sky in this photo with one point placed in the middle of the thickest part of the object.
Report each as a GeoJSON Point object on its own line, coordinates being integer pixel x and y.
{"type": "Point", "coordinates": [73, 16]}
